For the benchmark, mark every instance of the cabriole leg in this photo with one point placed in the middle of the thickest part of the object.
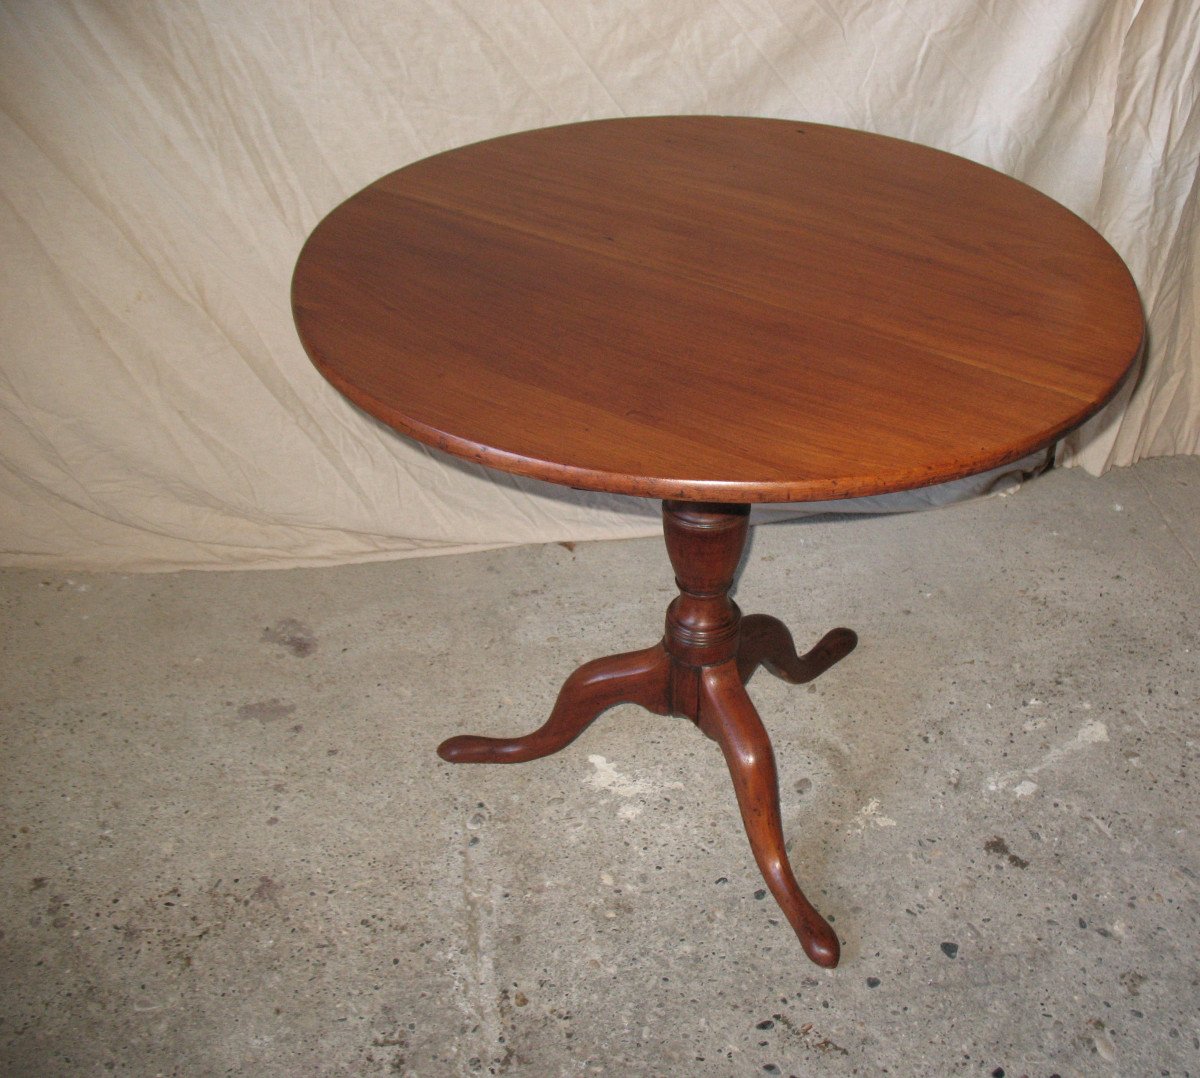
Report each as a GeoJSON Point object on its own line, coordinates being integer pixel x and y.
{"type": "Point", "coordinates": [698, 671]}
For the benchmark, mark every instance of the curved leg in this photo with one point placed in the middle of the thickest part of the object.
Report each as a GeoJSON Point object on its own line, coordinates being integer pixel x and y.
{"type": "Point", "coordinates": [635, 677]}
{"type": "Point", "coordinates": [729, 718]}
{"type": "Point", "coordinates": [766, 640]}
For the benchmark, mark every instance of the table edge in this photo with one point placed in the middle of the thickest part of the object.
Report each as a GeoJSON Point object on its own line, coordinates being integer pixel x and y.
{"type": "Point", "coordinates": [720, 491]}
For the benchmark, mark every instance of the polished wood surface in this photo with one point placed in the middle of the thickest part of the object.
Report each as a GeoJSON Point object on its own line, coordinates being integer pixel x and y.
{"type": "Point", "coordinates": [720, 309]}
{"type": "Point", "coordinates": [714, 312]}
{"type": "Point", "coordinates": [698, 671]}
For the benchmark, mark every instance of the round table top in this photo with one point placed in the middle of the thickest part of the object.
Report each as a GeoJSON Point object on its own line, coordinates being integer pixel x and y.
{"type": "Point", "coordinates": [717, 309]}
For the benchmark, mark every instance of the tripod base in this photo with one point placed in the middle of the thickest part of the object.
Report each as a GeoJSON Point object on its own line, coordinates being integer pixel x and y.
{"type": "Point", "coordinates": [699, 671]}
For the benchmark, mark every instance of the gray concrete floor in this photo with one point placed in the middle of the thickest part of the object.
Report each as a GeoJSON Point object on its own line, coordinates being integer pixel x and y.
{"type": "Point", "coordinates": [231, 849]}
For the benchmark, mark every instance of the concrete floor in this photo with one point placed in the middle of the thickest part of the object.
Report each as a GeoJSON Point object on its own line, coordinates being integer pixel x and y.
{"type": "Point", "coordinates": [231, 849]}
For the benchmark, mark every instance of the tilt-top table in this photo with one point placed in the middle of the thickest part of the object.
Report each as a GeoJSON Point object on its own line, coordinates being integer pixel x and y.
{"type": "Point", "coordinates": [714, 311]}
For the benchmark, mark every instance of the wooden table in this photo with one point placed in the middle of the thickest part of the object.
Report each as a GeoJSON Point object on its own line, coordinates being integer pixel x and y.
{"type": "Point", "coordinates": [714, 312]}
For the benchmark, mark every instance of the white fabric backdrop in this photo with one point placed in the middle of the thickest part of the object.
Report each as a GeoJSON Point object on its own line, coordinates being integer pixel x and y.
{"type": "Point", "coordinates": [163, 162]}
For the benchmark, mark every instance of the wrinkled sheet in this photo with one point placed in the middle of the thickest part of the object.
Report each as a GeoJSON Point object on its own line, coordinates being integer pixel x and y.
{"type": "Point", "coordinates": [163, 163]}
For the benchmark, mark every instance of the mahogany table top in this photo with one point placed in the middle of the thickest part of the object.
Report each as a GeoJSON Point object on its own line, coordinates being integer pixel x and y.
{"type": "Point", "coordinates": [717, 309]}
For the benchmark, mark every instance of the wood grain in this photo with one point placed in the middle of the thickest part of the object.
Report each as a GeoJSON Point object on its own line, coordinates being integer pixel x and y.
{"type": "Point", "coordinates": [720, 309]}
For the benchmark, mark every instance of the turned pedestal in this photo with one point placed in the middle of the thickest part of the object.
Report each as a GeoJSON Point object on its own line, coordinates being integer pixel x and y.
{"type": "Point", "coordinates": [699, 671]}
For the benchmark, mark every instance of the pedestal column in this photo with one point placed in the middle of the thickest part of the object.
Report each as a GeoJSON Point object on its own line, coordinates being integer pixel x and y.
{"type": "Point", "coordinates": [698, 671]}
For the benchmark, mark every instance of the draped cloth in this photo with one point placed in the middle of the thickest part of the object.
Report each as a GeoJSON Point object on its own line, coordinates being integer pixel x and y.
{"type": "Point", "coordinates": [163, 163]}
